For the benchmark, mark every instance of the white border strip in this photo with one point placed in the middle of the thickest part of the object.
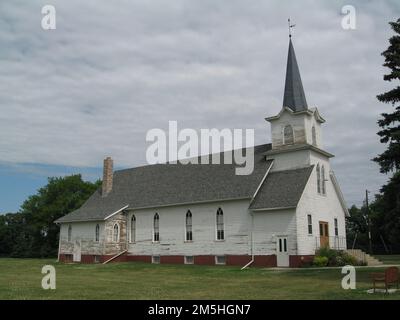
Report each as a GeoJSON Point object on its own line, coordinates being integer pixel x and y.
{"type": "Point", "coordinates": [272, 209]}
{"type": "Point", "coordinates": [339, 193]}
{"type": "Point", "coordinates": [262, 182]}
{"type": "Point", "coordinates": [118, 211]}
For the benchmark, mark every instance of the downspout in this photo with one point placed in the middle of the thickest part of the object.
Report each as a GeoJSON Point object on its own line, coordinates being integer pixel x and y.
{"type": "Point", "coordinates": [59, 245]}
{"type": "Point", "coordinates": [252, 218]}
{"type": "Point", "coordinates": [105, 240]}
{"type": "Point", "coordinates": [251, 242]}
{"type": "Point", "coordinates": [127, 234]}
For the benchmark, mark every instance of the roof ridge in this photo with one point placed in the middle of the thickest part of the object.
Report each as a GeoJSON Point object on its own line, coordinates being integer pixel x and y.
{"type": "Point", "coordinates": [201, 156]}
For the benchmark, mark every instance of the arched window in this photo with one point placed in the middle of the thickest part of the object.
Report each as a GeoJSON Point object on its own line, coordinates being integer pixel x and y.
{"type": "Point", "coordinates": [189, 233]}
{"type": "Point", "coordinates": [116, 233]}
{"type": "Point", "coordinates": [69, 233]}
{"type": "Point", "coordinates": [97, 233]}
{"type": "Point", "coordinates": [156, 227]}
{"type": "Point", "coordinates": [220, 224]}
{"type": "Point", "coordinates": [323, 184]}
{"type": "Point", "coordinates": [133, 228]}
{"type": "Point", "coordinates": [314, 136]}
{"type": "Point", "coordinates": [288, 135]}
{"type": "Point", "coordinates": [318, 179]}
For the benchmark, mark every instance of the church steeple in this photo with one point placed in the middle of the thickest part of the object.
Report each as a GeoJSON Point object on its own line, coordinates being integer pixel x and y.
{"type": "Point", "coordinates": [294, 97]}
{"type": "Point", "coordinates": [296, 126]}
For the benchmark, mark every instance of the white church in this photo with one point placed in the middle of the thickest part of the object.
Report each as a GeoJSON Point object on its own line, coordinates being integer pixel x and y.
{"type": "Point", "coordinates": [279, 215]}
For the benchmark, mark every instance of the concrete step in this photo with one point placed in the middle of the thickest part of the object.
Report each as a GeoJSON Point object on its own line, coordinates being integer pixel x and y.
{"type": "Point", "coordinates": [364, 257]}
{"type": "Point", "coordinates": [372, 261]}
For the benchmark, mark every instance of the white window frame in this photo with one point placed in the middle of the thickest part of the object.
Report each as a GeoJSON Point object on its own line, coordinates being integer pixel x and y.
{"type": "Point", "coordinates": [283, 134]}
{"type": "Point", "coordinates": [310, 224]}
{"type": "Point", "coordinates": [132, 235]}
{"type": "Point", "coordinates": [155, 259]}
{"type": "Point", "coordinates": [336, 227]}
{"type": "Point", "coordinates": [216, 225]}
{"type": "Point", "coordinates": [220, 263]}
{"type": "Point", "coordinates": [189, 262]}
{"type": "Point", "coordinates": [118, 232]}
{"type": "Point", "coordinates": [314, 136]}
{"type": "Point", "coordinates": [318, 169]}
{"type": "Point", "coordinates": [323, 181]}
{"type": "Point", "coordinates": [69, 233]}
{"type": "Point", "coordinates": [97, 233]}
{"type": "Point", "coordinates": [154, 228]}
{"type": "Point", "coordinates": [186, 226]}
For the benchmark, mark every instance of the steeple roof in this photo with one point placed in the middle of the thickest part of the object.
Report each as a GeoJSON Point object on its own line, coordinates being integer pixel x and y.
{"type": "Point", "coordinates": [294, 97]}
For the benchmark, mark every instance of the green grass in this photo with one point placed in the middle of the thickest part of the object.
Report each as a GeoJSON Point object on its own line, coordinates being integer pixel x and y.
{"type": "Point", "coordinates": [389, 259]}
{"type": "Point", "coordinates": [21, 279]}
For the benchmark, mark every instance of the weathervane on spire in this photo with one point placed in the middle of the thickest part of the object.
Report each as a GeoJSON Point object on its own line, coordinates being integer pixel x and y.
{"type": "Point", "coordinates": [290, 28]}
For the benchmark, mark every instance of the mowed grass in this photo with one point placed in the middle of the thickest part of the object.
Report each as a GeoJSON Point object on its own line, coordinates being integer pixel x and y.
{"type": "Point", "coordinates": [21, 279]}
{"type": "Point", "coordinates": [389, 259]}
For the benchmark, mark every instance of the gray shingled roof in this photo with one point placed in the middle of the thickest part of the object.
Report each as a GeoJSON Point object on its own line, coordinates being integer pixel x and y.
{"type": "Point", "coordinates": [172, 184]}
{"type": "Point", "coordinates": [282, 189]}
{"type": "Point", "coordinates": [168, 184]}
{"type": "Point", "coordinates": [294, 96]}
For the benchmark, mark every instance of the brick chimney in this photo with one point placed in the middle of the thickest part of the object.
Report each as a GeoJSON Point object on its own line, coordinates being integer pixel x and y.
{"type": "Point", "coordinates": [107, 176]}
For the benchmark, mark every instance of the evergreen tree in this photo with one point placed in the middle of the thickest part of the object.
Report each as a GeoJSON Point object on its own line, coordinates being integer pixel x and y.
{"type": "Point", "coordinates": [387, 211]}
{"type": "Point", "coordinates": [390, 122]}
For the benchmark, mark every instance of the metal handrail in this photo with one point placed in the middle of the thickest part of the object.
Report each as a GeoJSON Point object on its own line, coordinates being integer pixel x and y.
{"type": "Point", "coordinates": [335, 242]}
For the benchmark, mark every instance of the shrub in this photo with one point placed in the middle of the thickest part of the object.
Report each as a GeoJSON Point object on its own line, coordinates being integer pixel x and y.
{"type": "Point", "coordinates": [340, 261]}
{"type": "Point", "coordinates": [320, 261]}
{"type": "Point", "coordinates": [336, 258]}
{"type": "Point", "coordinates": [330, 254]}
{"type": "Point", "coordinates": [347, 259]}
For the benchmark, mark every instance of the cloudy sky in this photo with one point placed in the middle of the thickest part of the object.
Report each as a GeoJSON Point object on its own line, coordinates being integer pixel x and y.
{"type": "Point", "coordinates": [112, 70]}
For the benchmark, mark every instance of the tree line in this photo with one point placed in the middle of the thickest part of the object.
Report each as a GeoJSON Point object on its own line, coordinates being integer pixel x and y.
{"type": "Point", "coordinates": [31, 232]}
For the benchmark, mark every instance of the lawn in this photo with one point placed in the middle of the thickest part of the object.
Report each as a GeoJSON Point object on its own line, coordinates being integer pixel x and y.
{"type": "Point", "coordinates": [389, 259]}
{"type": "Point", "coordinates": [21, 279]}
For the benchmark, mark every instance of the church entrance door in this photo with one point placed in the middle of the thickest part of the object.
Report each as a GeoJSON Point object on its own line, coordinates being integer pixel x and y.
{"type": "Point", "coordinates": [324, 234]}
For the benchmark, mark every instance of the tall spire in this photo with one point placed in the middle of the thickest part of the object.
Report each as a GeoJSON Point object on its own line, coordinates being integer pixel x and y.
{"type": "Point", "coordinates": [293, 97]}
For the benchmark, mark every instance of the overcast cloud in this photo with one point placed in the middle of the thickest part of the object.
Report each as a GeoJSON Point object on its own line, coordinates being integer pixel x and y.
{"type": "Point", "coordinates": [115, 69]}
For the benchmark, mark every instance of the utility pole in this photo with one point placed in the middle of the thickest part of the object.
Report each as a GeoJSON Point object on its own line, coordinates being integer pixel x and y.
{"type": "Point", "coordinates": [368, 221]}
